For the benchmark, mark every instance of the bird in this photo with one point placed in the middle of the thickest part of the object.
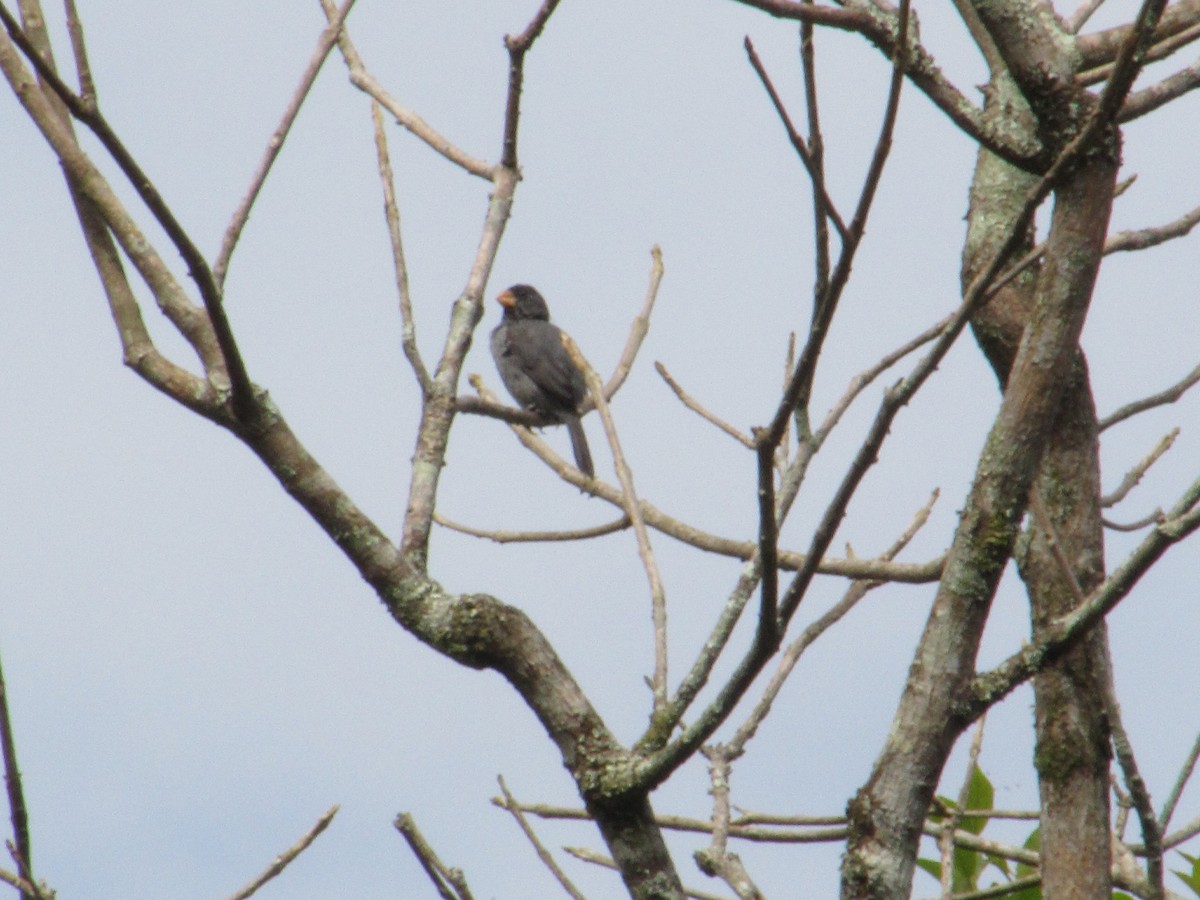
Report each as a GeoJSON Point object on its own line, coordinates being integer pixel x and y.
{"type": "Point", "coordinates": [536, 368]}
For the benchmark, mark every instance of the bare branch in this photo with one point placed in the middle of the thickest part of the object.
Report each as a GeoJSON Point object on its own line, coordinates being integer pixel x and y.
{"type": "Point", "coordinates": [22, 849]}
{"type": "Point", "coordinates": [27, 888]}
{"type": "Point", "coordinates": [438, 411]}
{"type": "Point", "coordinates": [715, 860]}
{"type": "Point", "coordinates": [408, 334]}
{"type": "Point", "coordinates": [1150, 237]}
{"type": "Point", "coordinates": [1162, 398]}
{"type": "Point", "coordinates": [282, 861]}
{"type": "Point", "coordinates": [599, 859]}
{"type": "Point", "coordinates": [1134, 475]}
{"type": "Point", "coordinates": [882, 29]}
{"type": "Point", "coordinates": [451, 884]}
{"type": "Point", "coordinates": [518, 46]}
{"type": "Point", "coordinates": [512, 537]}
{"type": "Point", "coordinates": [1149, 99]}
{"type": "Point", "coordinates": [1084, 12]}
{"type": "Point", "coordinates": [241, 215]}
{"type": "Point", "coordinates": [820, 210]}
{"type": "Point", "coordinates": [87, 87]}
{"type": "Point", "coordinates": [866, 377]}
{"type": "Point", "coordinates": [543, 854]}
{"type": "Point", "coordinates": [824, 201]}
{"type": "Point", "coordinates": [1185, 773]}
{"type": "Point", "coordinates": [405, 118]}
{"type": "Point", "coordinates": [768, 635]}
{"type": "Point", "coordinates": [1103, 46]}
{"type": "Point", "coordinates": [796, 394]}
{"type": "Point", "coordinates": [832, 616]}
{"type": "Point", "coordinates": [1145, 522]}
{"type": "Point", "coordinates": [632, 507]}
{"type": "Point", "coordinates": [1139, 793]}
{"type": "Point", "coordinates": [638, 328]}
{"type": "Point", "coordinates": [1157, 51]}
{"type": "Point", "coordinates": [1179, 522]}
{"type": "Point", "coordinates": [245, 405]}
{"type": "Point", "coordinates": [695, 406]}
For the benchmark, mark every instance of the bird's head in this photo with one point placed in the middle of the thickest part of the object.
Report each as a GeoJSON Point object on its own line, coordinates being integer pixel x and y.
{"type": "Point", "coordinates": [524, 302]}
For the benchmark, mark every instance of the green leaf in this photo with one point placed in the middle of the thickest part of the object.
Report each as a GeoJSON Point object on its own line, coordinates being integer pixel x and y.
{"type": "Point", "coordinates": [1191, 879]}
{"type": "Point", "coordinates": [932, 866]}
{"type": "Point", "coordinates": [1033, 842]}
{"type": "Point", "coordinates": [967, 866]}
{"type": "Point", "coordinates": [980, 795]}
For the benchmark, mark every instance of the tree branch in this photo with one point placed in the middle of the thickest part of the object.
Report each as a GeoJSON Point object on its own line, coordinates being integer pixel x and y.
{"type": "Point", "coordinates": [241, 215]}
{"type": "Point", "coordinates": [245, 405]}
{"type": "Point", "coordinates": [285, 858]}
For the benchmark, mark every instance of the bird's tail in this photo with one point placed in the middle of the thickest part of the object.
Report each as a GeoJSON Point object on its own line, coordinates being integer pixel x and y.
{"type": "Point", "coordinates": [579, 444]}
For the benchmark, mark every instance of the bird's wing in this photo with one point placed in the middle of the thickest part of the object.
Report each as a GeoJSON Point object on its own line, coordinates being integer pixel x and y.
{"type": "Point", "coordinates": [536, 348]}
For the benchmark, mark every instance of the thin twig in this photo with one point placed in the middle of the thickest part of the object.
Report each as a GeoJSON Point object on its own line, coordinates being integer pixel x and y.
{"type": "Point", "coordinates": [798, 390]}
{"type": "Point", "coordinates": [513, 537]}
{"type": "Point", "coordinates": [405, 118]}
{"type": "Point", "coordinates": [768, 637]}
{"type": "Point", "coordinates": [816, 152]}
{"type": "Point", "coordinates": [451, 884]}
{"type": "Point", "coordinates": [87, 85]}
{"type": "Point", "coordinates": [391, 210]}
{"type": "Point", "coordinates": [1162, 398]}
{"type": "Point", "coordinates": [715, 860]}
{"type": "Point", "coordinates": [789, 560]}
{"type": "Point", "coordinates": [810, 164]}
{"type": "Point", "coordinates": [1139, 794]}
{"type": "Point", "coordinates": [1178, 523]}
{"type": "Point", "coordinates": [832, 616]}
{"type": "Point", "coordinates": [241, 215]}
{"type": "Point", "coordinates": [865, 378]}
{"type": "Point", "coordinates": [599, 859]}
{"type": "Point", "coordinates": [245, 406]}
{"type": "Point", "coordinates": [1153, 236]}
{"type": "Point", "coordinates": [695, 406]}
{"type": "Point", "coordinates": [517, 47]}
{"type": "Point", "coordinates": [882, 28]}
{"type": "Point", "coordinates": [283, 859]}
{"type": "Point", "coordinates": [1154, 52]}
{"type": "Point", "coordinates": [27, 888]}
{"type": "Point", "coordinates": [18, 815]}
{"type": "Point", "coordinates": [1134, 475]}
{"type": "Point", "coordinates": [1174, 86]}
{"type": "Point", "coordinates": [638, 328]}
{"type": "Point", "coordinates": [1153, 518]}
{"type": "Point", "coordinates": [543, 854]}
{"type": "Point", "coordinates": [1185, 773]}
{"type": "Point", "coordinates": [633, 509]}
{"type": "Point", "coordinates": [1002, 890]}
{"type": "Point", "coordinates": [1084, 12]}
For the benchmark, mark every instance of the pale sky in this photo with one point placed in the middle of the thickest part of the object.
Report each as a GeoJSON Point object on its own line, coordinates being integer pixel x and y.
{"type": "Point", "coordinates": [195, 673]}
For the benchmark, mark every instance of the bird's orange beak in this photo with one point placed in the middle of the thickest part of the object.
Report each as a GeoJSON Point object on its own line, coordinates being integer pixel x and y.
{"type": "Point", "coordinates": [507, 300]}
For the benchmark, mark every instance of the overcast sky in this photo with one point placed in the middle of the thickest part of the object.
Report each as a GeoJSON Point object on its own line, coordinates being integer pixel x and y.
{"type": "Point", "coordinates": [194, 671]}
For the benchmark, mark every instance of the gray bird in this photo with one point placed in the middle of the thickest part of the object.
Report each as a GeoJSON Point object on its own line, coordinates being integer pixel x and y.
{"type": "Point", "coordinates": [536, 368]}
